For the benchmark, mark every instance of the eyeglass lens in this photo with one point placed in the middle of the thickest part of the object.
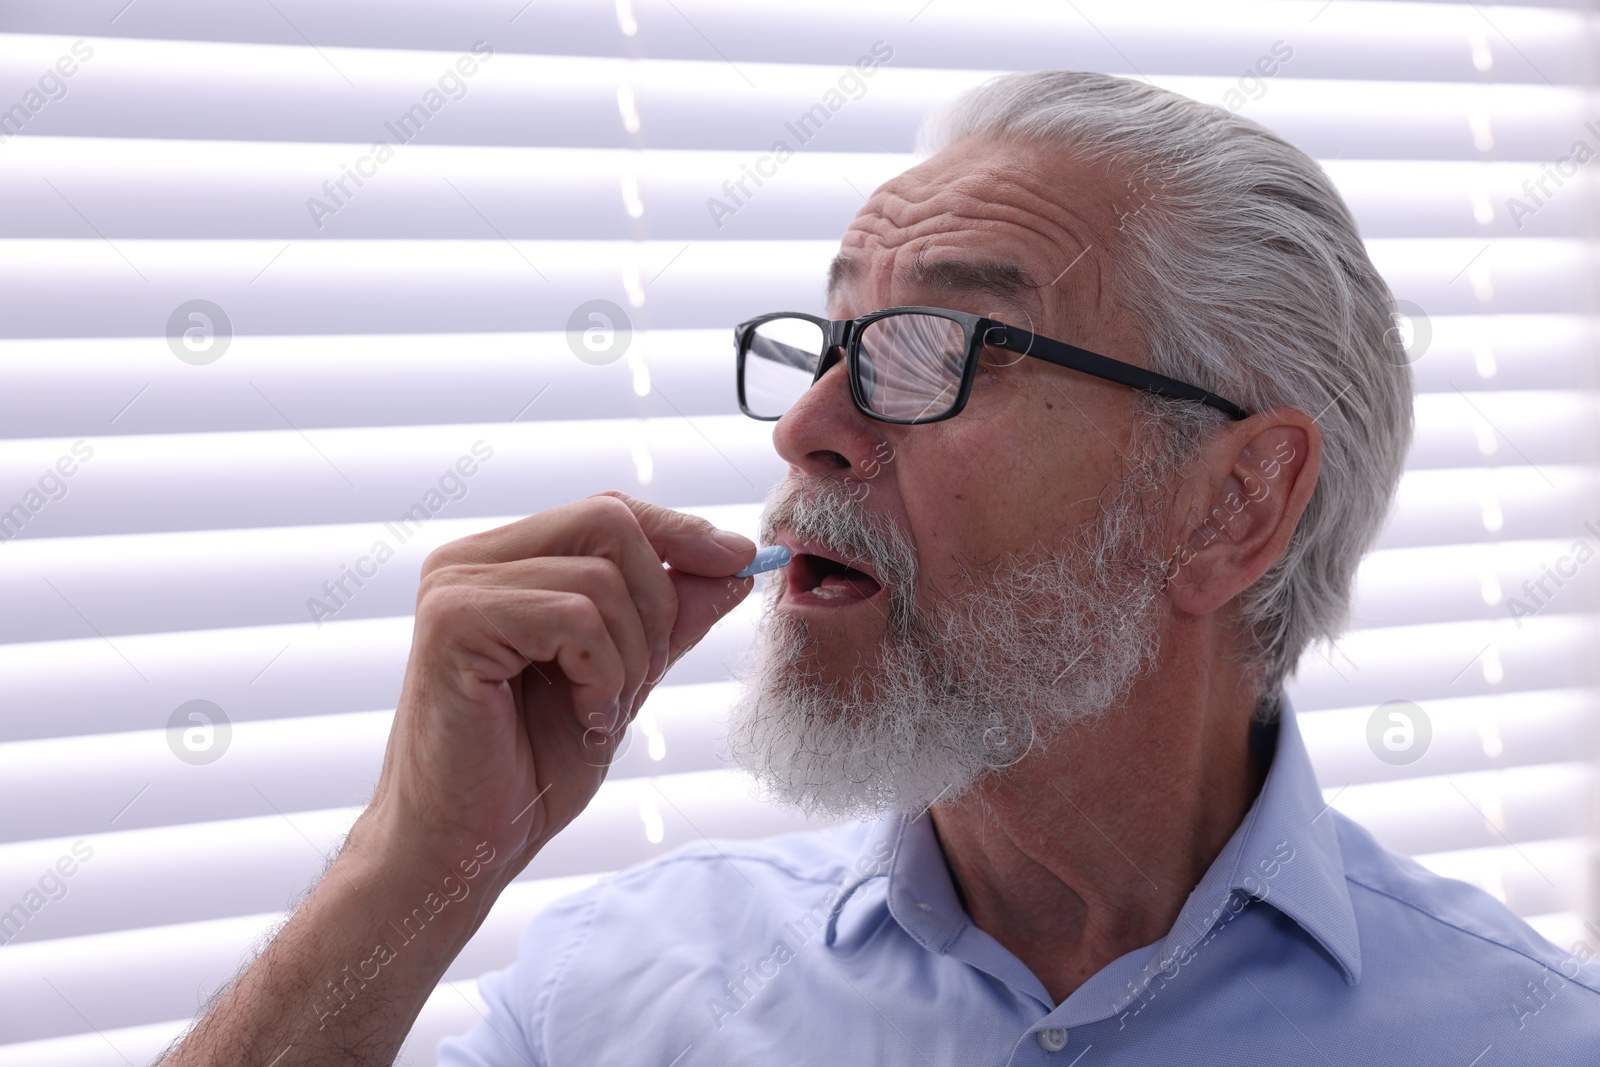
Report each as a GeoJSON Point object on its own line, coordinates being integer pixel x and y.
{"type": "Point", "coordinates": [911, 365]}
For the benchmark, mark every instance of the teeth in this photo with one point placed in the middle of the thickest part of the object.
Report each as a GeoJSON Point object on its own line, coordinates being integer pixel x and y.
{"type": "Point", "coordinates": [831, 594]}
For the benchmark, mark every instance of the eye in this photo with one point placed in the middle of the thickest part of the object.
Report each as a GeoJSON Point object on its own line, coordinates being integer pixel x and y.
{"type": "Point", "coordinates": [990, 364]}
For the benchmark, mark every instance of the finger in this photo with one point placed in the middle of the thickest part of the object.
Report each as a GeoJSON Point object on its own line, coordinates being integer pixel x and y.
{"type": "Point", "coordinates": [597, 526]}
{"type": "Point", "coordinates": [601, 581]}
{"type": "Point", "coordinates": [501, 630]}
{"type": "Point", "coordinates": [688, 542]}
{"type": "Point", "coordinates": [702, 603]}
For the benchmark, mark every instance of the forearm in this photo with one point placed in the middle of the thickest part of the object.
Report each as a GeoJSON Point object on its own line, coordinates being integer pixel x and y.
{"type": "Point", "coordinates": [343, 981]}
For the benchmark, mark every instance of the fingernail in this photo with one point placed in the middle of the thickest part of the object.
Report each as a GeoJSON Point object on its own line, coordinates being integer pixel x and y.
{"type": "Point", "coordinates": [733, 542]}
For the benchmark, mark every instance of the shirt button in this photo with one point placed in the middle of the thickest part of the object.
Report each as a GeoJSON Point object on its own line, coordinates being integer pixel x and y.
{"type": "Point", "coordinates": [1053, 1040]}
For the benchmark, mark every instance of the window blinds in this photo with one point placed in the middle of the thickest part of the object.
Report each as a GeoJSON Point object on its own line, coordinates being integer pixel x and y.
{"type": "Point", "coordinates": [283, 282]}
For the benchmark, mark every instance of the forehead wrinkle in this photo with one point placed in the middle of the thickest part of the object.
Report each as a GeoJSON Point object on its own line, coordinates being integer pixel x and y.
{"type": "Point", "coordinates": [1073, 293]}
{"type": "Point", "coordinates": [898, 222]}
{"type": "Point", "coordinates": [1067, 237]}
{"type": "Point", "coordinates": [1063, 230]}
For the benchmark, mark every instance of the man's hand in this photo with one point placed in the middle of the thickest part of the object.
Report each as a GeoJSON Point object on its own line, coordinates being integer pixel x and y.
{"type": "Point", "coordinates": [535, 645]}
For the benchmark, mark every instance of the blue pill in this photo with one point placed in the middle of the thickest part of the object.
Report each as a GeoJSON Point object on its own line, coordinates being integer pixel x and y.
{"type": "Point", "coordinates": [767, 559]}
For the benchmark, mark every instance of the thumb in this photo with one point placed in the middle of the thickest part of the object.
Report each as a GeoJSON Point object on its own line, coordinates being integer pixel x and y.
{"type": "Point", "coordinates": [689, 543]}
{"type": "Point", "coordinates": [702, 603]}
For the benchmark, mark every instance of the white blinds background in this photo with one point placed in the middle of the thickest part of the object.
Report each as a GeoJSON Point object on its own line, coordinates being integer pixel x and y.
{"type": "Point", "coordinates": [423, 323]}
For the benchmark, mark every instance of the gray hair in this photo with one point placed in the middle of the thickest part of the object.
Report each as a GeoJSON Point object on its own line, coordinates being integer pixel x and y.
{"type": "Point", "coordinates": [1244, 271]}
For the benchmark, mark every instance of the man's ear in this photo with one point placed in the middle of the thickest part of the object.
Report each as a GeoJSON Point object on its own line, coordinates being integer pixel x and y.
{"type": "Point", "coordinates": [1240, 504]}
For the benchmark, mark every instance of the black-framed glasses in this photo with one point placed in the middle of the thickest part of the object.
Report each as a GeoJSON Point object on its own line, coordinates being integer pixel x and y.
{"type": "Point", "coordinates": [909, 365]}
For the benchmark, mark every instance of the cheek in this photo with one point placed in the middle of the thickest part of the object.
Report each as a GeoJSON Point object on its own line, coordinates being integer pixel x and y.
{"type": "Point", "coordinates": [969, 493]}
{"type": "Point", "coordinates": [940, 491]}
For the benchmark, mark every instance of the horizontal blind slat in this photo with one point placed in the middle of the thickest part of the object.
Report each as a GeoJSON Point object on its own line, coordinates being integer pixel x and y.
{"type": "Point", "coordinates": [75, 387]}
{"type": "Point", "coordinates": [153, 482]}
{"type": "Point", "coordinates": [1430, 42]}
{"type": "Point", "coordinates": [149, 877]}
{"type": "Point", "coordinates": [57, 588]}
{"type": "Point", "coordinates": [452, 1008]}
{"type": "Point", "coordinates": [129, 976]}
{"type": "Point", "coordinates": [91, 288]}
{"type": "Point", "coordinates": [1483, 809]}
{"type": "Point", "coordinates": [286, 765]}
{"type": "Point", "coordinates": [308, 763]}
{"type": "Point", "coordinates": [174, 189]}
{"type": "Point", "coordinates": [145, 89]}
{"type": "Point", "coordinates": [137, 681]}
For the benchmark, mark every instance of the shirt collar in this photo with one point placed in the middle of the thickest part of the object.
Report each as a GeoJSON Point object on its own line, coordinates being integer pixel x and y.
{"type": "Point", "coordinates": [1285, 852]}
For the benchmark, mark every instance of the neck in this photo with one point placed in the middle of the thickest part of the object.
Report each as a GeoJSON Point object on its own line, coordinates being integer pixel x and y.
{"type": "Point", "coordinates": [1087, 851]}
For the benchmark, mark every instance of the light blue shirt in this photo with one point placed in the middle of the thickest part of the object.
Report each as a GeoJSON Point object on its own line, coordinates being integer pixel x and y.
{"type": "Point", "coordinates": [1304, 943]}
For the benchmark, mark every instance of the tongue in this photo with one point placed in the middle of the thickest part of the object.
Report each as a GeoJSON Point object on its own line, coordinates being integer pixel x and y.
{"type": "Point", "coordinates": [855, 586]}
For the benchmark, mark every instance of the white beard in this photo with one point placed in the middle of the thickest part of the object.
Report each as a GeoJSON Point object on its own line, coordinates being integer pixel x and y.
{"type": "Point", "coordinates": [960, 690]}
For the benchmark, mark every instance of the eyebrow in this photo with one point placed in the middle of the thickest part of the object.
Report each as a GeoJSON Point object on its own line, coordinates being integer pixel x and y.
{"type": "Point", "coordinates": [841, 270]}
{"type": "Point", "coordinates": [995, 278]}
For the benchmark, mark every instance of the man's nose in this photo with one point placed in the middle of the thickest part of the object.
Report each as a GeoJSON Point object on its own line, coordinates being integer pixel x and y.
{"type": "Point", "coordinates": [832, 383]}
{"type": "Point", "coordinates": [824, 431]}
{"type": "Point", "coordinates": [833, 354]}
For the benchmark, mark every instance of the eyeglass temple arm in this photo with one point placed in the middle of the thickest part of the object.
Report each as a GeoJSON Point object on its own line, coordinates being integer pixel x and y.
{"type": "Point", "coordinates": [1064, 355]}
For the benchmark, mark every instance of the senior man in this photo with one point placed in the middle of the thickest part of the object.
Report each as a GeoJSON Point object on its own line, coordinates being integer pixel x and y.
{"type": "Point", "coordinates": [1105, 410]}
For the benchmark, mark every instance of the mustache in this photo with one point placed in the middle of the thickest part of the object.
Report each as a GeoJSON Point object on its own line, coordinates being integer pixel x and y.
{"type": "Point", "coordinates": [824, 510]}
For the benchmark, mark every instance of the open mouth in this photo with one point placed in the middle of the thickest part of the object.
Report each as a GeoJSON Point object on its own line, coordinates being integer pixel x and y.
{"type": "Point", "coordinates": [821, 578]}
